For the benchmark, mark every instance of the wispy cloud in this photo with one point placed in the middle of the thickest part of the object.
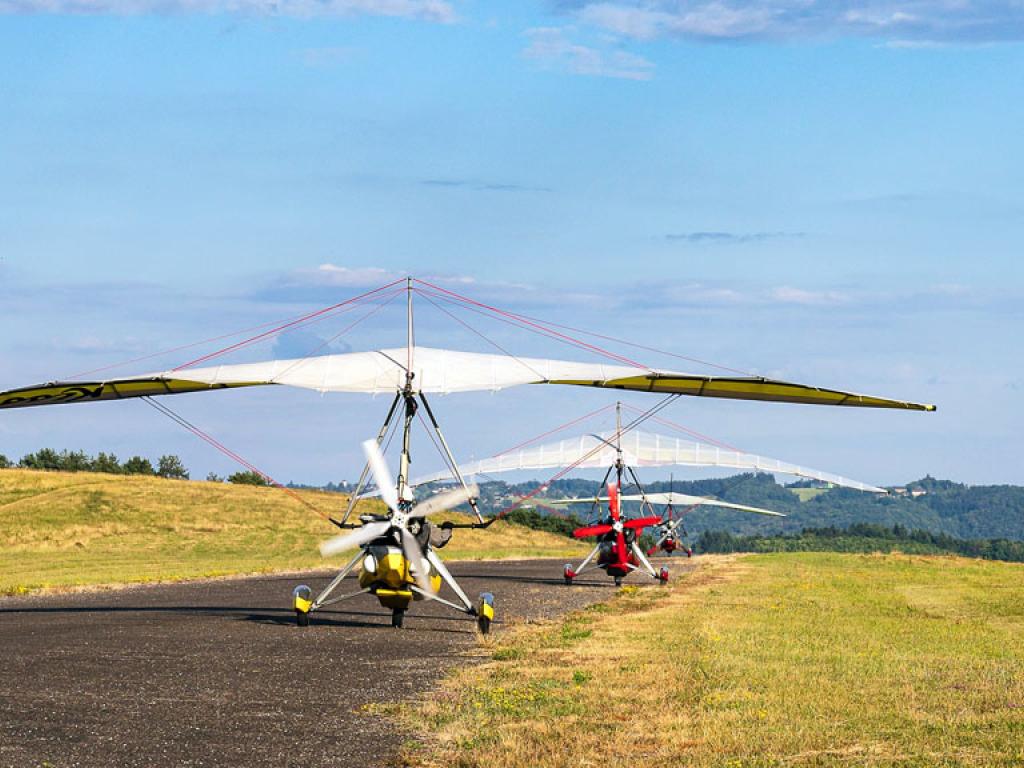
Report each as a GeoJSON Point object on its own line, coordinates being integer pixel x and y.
{"type": "Point", "coordinates": [551, 47]}
{"type": "Point", "coordinates": [482, 186]}
{"type": "Point", "coordinates": [426, 10]}
{"type": "Point", "coordinates": [731, 238]}
{"type": "Point", "coordinates": [905, 21]}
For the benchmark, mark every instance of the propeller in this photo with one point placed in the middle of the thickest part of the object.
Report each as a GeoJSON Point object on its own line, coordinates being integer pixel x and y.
{"type": "Point", "coordinates": [399, 520]}
{"type": "Point", "coordinates": [617, 524]}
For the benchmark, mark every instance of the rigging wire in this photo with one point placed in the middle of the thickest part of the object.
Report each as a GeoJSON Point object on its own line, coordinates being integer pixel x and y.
{"type": "Point", "coordinates": [486, 338]}
{"type": "Point", "coordinates": [341, 333]}
{"type": "Point", "coordinates": [563, 472]}
{"type": "Point", "coordinates": [292, 323]}
{"type": "Point", "coordinates": [521, 319]}
{"type": "Point", "coordinates": [550, 325]}
{"type": "Point", "coordinates": [567, 424]}
{"type": "Point", "coordinates": [277, 324]}
{"type": "Point", "coordinates": [690, 432]}
{"type": "Point", "coordinates": [182, 421]}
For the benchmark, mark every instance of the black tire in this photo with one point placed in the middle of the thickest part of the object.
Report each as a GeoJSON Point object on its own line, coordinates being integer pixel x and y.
{"type": "Point", "coordinates": [618, 581]}
{"type": "Point", "coordinates": [302, 618]}
{"type": "Point", "coordinates": [483, 624]}
{"type": "Point", "coordinates": [397, 617]}
{"type": "Point", "coordinates": [568, 581]}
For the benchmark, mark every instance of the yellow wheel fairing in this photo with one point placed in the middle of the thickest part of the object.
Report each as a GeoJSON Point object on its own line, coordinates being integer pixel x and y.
{"type": "Point", "coordinates": [394, 598]}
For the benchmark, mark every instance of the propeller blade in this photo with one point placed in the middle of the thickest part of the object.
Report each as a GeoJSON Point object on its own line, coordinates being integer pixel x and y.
{"type": "Point", "coordinates": [413, 553]}
{"type": "Point", "coordinates": [641, 522]}
{"type": "Point", "coordinates": [443, 501]}
{"type": "Point", "coordinates": [592, 530]}
{"type": "Point", "coordinates": [613, 500]}
{"type": "Point", "coordinates": [381, 474]}
{"type": "Point", "coordinates": [357, 538]}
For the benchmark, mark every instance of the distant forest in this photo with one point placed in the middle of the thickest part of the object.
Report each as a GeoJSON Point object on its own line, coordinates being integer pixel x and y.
{"type": "Point", "coordinates": [945, 507]}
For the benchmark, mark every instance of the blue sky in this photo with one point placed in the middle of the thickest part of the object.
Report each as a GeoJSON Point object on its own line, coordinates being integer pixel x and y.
{"type": "Point", "coordinates": [826, 192]}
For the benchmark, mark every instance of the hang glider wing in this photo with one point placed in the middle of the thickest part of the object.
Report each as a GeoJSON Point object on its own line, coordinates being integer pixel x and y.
{"type": "Point", "coordinates": [677, 499]}
{"type": "Point", "coordinates": [685, 500]}
{"type": "Point", "coordinates": [435, 371]}
{"type": "Point", "coordinates": [639, 449]}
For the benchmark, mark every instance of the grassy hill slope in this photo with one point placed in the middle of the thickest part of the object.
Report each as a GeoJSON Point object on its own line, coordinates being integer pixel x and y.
{"type": "Point", "coordinates": [61, 529]}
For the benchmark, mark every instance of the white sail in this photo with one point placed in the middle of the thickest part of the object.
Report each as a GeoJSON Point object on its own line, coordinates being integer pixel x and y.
{"type": "Point", "coordinates": [639, 449]}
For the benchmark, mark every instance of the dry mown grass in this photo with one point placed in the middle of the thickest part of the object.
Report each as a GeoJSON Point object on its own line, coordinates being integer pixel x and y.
{"type": "Point", "coordinates": [780, 660]}
{"type": "Point", "coordinates": [62, 529]}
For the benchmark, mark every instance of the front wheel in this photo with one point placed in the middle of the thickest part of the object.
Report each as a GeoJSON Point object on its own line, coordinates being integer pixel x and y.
{"type": "Point", "coordinates": [397, 617]}
{"type": "Point", "coordinates": [483, 624]}
{"type": "Point", "coordinates": [618, 581]}
{"type": "Point", "coordinates": [485, 613]}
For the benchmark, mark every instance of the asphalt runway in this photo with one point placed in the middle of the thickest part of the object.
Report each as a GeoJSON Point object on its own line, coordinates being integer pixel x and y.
{"type": "Point", "coordinates": [216, 673]}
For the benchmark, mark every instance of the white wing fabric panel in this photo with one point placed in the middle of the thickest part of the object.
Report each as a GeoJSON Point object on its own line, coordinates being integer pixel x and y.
{"type": "Point", "coordinates": [382, 371]}
{"type": "Point", "coordinates": [641, 449]}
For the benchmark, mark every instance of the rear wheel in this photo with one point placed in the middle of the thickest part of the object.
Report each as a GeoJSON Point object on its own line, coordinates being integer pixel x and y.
{"type": "Point", "coordinates": [397, 617]}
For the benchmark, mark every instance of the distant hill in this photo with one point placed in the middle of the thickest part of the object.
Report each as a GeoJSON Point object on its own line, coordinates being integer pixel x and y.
{"type": "Point", "coordinates": [955, 509]}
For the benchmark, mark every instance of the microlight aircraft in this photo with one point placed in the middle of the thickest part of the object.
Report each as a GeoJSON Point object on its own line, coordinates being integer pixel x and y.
{"type": "Point", "coordinates": [622, 451]}
{"type": "Point", "coordinates": [412, 372]}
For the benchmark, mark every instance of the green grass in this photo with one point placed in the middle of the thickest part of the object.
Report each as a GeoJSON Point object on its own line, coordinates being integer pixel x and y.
{"type": "Point", "coordinates": [806, 494]}
{"type": "Point", "coordinates": [61, 529]}
{"type": "Point", "coordinates": [769, 660]}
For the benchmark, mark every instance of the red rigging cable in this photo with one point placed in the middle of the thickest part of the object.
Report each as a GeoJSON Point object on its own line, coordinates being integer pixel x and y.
{"type": "Point", "coordinates": [556, 429]}
{"type": "Point", "coordinates": [687, 431]}
{"type": "Point", "coordinates": [278, 325]}
{"type": "Point", "coordinates": [391, 297]}
{"type": "Point", "coordinates": [548, 325]}
{"type": "Point", "coordinates": [483, 336]}
{"type": "Point", "coordinates": [297, 321]}
{"type": "Point", "coordinates": [646, 348]}
{"type": "Point", "coordinates": [526, 321]}
{"type": "Point", "coordinates": [209, 439]}
{"type": "Point", "coordinates": [563, 472]}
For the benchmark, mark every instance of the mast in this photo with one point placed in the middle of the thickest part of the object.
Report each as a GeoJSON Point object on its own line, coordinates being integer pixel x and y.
{"type": "Point", "coordinates": [409, 396]}
{"type": "Point", "coordinates": [619, 465]}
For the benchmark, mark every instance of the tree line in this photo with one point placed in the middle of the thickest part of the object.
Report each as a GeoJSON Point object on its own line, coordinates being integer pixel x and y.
{"type": "Point", "coordinates": [863, 538]}
{"type": "Point", "coordinates": [168, 466]}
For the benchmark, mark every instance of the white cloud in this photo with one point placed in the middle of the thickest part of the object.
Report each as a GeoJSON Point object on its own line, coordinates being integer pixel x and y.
{"type": "Point", "coordinates": [551, 47]}
{"type": "Point", "coordinates": [906, 21]}
{"type": "Point", "coordinates": [786, 294]}
{"type": "Point", "coordinates": [427, 10]}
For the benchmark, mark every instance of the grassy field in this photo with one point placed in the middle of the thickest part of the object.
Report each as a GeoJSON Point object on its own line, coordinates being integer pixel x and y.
{"type": "Point", "coordinates": [806, 494]}
{"type": "Point", "coordinates": [770, 660]}
{"type": "Point", "coordinates": [72, 529]}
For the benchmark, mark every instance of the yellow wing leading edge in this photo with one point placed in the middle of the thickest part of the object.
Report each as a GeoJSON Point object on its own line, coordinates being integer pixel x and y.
{"type": "Point", "coordinates": [88, 392]}
{"type": "Point", "coordinates": [747, 389]}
